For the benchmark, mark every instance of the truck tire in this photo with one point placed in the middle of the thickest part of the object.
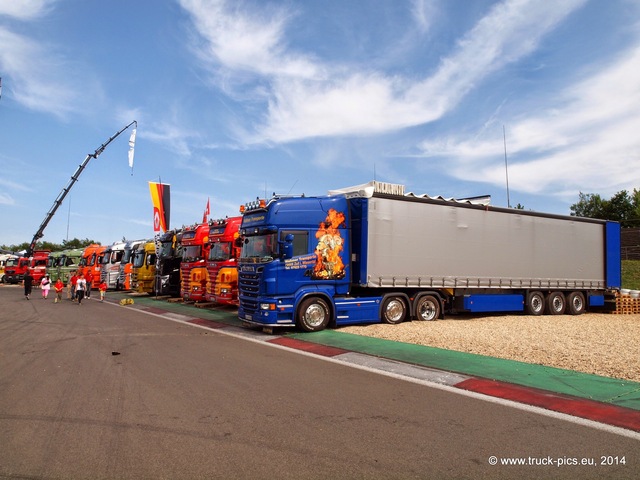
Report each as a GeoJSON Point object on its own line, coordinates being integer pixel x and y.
{"type": "Point", "coordinates": [535, 303]}
{"type": "Point", "coordinates": [575, 303]}
{"type": "Point", "coordinates": [428, 308]}
{"type": "Point", "coordinates": [394, 310]}
{"type": "Point", "coordinates": [556, 303]}
{"type": "Point", "coordinates": [313, 314]}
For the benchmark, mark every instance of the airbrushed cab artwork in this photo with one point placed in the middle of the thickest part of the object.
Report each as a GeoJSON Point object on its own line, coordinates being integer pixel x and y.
{"type": "Point", "coordinates": [329, 264]}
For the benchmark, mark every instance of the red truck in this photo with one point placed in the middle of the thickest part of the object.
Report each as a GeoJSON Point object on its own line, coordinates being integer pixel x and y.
{"type": "Point", "coordinates": [16, 267]}
{"type": "Point", "coordinates": [222, 267]}
{"type": "Point", "coordinates": [193, 267]}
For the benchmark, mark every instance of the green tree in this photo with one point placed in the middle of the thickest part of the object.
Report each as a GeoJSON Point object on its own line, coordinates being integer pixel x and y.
{"type": "Point", "coordinates": [54, 247]}
{"type": "Point", "coordinates": [622, 207]}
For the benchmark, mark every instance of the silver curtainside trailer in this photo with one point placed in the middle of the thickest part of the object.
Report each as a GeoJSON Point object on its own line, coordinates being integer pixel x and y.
{"type": "Point", "coordinates": [418, 243]}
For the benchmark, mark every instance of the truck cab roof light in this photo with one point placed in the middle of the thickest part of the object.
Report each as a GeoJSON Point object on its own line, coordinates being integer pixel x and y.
{"type": "Point", "coordinates": [257, 204]}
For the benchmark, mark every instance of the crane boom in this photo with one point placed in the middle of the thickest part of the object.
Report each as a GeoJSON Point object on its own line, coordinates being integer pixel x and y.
{"type": "Point", "coordinates": [74, 178]}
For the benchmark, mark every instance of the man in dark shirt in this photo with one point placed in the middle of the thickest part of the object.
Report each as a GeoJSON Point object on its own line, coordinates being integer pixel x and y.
{"type": "Point", "coordinates": [28, 283]}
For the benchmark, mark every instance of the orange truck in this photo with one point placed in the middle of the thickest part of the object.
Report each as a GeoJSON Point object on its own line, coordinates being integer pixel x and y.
{"type": "Point", "coordinates": [193, 267]}
{"type": "Point", "coordinates": [222, 267]}
{"type": "Point", "coordinates": [92, 261]}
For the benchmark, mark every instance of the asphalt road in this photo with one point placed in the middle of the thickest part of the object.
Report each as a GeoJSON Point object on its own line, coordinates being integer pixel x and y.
{"type": "Point", "coordinates": [100, 391]}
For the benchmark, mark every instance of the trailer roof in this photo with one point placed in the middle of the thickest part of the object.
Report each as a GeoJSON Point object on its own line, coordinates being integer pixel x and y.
{"type": "Point", "coordinates": [367, 190]}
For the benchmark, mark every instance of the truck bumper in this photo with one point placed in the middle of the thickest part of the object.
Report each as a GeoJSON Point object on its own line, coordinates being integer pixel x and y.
{"type": "Point", "coordinates": [269, 314]}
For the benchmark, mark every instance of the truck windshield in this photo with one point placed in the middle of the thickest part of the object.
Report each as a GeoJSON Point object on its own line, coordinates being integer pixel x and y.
{"type": "Point", "coordinates": [126, 256]}
{"type": "Point", "coordinates": [191, 253]}
{"type": "Point", "coordinates": [166, 249]}
{"type": "Point", "coordinates": [220, 251]}
{"type": "Point", "coordinates": [259, 248]}
{"type": "Point", "coordinates": [12, 262]}
{"type": "Point", "coordinates": [106, 258]}
{"type": "Point", "coordinates": [138, 258]}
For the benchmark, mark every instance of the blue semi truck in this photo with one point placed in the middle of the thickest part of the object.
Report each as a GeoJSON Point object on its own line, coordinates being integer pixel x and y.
{"type": "Point", "coordinates": [373, 253]}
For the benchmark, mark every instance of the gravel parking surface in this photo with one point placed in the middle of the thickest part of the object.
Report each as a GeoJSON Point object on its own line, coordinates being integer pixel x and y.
{"type": "Point", "coordinates": [601, 344]}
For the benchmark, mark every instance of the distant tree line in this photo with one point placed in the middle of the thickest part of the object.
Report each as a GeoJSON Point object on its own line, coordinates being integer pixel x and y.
{"type": "Point", "coordinates": [623, 207]}
{"type": "Point", "coordinates": [54, 247]}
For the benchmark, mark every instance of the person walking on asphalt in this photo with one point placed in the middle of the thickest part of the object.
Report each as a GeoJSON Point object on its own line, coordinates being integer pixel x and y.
{"type": "Point", "coordinates": [89, 278]}
{"type": "Point", "coordinates": [59, 286]}
{"type": "Point", "coordinates": [45, 285]}
{"type": "Point", "coordinates": [81, 286]}
{"type": "Point", "coordinates": [28, 283]}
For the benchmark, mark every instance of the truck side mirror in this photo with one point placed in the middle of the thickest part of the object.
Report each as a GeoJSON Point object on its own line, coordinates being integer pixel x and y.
{"type": "Point", "coordinates": [287, 246]}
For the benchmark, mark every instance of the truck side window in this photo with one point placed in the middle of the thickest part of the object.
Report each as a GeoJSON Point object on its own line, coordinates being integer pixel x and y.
{"type": "Point", "coordinates": [300, 241]}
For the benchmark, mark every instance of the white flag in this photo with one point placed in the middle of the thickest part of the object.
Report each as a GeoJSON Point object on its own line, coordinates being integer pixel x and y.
{"type": "Point", "coordinates": [132, 144]}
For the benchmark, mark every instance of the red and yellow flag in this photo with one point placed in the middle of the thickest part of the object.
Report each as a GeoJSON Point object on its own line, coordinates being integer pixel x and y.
{"type": "Point", "coordinates": [161, 198]}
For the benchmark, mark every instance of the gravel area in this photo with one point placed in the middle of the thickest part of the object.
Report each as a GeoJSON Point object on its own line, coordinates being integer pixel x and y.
{"type": "Point", "coordinates": [602, 344]}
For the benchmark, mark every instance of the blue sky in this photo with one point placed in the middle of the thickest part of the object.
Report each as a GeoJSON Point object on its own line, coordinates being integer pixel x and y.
{"type": "Point", "coordinates": [235, 99]}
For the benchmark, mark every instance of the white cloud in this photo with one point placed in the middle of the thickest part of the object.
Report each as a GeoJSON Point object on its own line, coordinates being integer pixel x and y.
{"type": "Point", "coordinates": [35, 76]}
{"type": "Point", "coordinates": [249, 40]}
{"type": "Point", "coordinates": [25, 9]}
{"type": "Point", "coordinates": [174, 137]}
{"type": "Point", "coordinates": [588, 141]}
{"type": "Point", "coordinates": [356, 103]}
{"type": "Point", "coordinates": [6, 199]}
{"type": "Point", "coordinates": [423, 12]}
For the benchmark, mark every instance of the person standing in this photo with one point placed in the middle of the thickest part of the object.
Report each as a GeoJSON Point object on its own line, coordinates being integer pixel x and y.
{"type": "Point", "coordinates": [45, 286]}
{"type": "Point", "coordinates": [103, 290]}
{"type": "Point", "coordinates": [81, 286]}
{"type": "Point", "coordinates": [71, 285]}
{"type": "Point", "coordinates": [27, 281]}
{"type": "Point", "coordinates": [89, 278]}
{"type": "Point", "coordinates": [59, 286]}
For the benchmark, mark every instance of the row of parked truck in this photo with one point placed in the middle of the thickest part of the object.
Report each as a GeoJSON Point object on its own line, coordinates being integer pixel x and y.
{"type": "Point", "coordinates": [365, 254]}
{"type": "Point", "coordinates": [195, 262]}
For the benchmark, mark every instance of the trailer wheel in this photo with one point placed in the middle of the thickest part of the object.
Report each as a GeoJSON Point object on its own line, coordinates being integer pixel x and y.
{"type": "Point", "coordinates": [576, 303]}
{"type": "Point", "coordinates": [394, 310]}
{"type": "Point", "coordinates": [313, 314]}
{"type": "Point", "coordinates": [535, 303]}
{"type": "Point", "coordinates": [556, 303]}
{"type": "Point", "coordinates": [428, 308]}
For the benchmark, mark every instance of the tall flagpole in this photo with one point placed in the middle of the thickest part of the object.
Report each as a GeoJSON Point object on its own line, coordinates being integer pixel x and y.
{"type": "Point", "coordinates": [506, 168]}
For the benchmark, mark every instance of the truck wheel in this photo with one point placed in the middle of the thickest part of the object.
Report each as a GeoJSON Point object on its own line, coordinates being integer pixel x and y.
{"type": "Point", "coordinates": [428, 308]}
{"type": "Point", "coordinates": [313, 315]}
{"type": "Point", "coordinates": [394, 310]}
{"type": "Point", "coordinates": [575, 303]}
{"type": "Point", "coordinates": [535, 303]}
{"type": "Point", "coordinates": [556, 303]}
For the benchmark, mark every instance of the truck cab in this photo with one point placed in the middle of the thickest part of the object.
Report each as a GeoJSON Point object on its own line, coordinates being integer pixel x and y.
{"type": "Point", "coordinates": [143, 274]}
{"type": "Point", "coordinates": [91, 261]}
{"type": "Point", "coordinates": [193, 267]}
{"type": "Point", "coordinates": [61, 264]}
{"type": "Point", "coordinates": [39, 265]}
{"type": "Point", "coordinates": [126, 265]}
{"type": "Point", "coordinates": [222, 266]}
{"type": "Point", "coordinates": [15, 269]}
{"type": "Point", "coordinates": [169, 258]}
{"type": "Point", "coordinates": [293, 247]}
{"type": "Point", "coordinates": [4, 257]}
{"type": "Point", "coordinates": [110, 267]}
